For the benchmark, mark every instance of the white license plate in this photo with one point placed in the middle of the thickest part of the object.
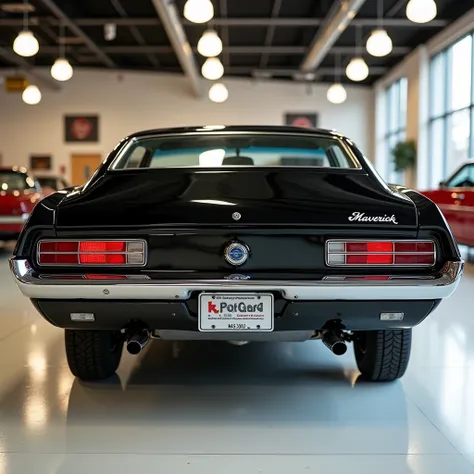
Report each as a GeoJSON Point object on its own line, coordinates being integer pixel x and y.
{"type": "Point", "coordinates": [230, 312]}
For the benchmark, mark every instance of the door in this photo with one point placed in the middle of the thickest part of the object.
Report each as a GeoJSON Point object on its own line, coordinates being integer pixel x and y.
{"type": "Point", "coordinates": [83, 166]}
{"type": "Point", "coordinates": [459, 205]}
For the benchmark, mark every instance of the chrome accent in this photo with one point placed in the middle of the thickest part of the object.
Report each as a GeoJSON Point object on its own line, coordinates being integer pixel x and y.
{"type": "Point", "coordinates": [14, 219]}
{"type": "Point", "coordinates": [236, 261]}
{"type": "Point", "coordinates": [82, 317]}
{"type": "Point", "coordinates": [338, 138]}
{"type": "Point", "coordinates": [142, 263]}
{"type": "Point", "coordinates": [236, 216]}
{"type": "Point", "coordinates": [412, 287]}
{"type": "Point", "coordinates": [389, 265]}
{"type": "Point", "coordinates": [276, 336]}
{"type": "Point", "coordinates": [237, 276]}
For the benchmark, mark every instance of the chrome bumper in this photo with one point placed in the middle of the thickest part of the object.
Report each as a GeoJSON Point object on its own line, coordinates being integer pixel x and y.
{"type": "Point", "coordinates": [421, 287]}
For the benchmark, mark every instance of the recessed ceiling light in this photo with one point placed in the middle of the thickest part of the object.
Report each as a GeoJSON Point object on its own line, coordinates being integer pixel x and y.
{"type": "Point", "coordinates": [17, 7]}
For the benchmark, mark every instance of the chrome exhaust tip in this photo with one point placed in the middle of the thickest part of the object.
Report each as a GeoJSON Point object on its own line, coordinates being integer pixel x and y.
{"type": "Point", "coordinates": [138, 341]}
{"type": "Point", "coordinates": [334, 343]}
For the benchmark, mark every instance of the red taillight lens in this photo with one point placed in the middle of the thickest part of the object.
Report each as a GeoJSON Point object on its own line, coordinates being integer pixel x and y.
{"type": "Point", "coordinates": [102, 246]}
{"type": "Point", "coordinates": [91, 252]}
{"type": "Point", "coordinates": [342, 253]}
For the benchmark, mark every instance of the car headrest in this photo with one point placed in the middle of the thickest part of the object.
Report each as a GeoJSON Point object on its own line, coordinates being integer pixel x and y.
{"type": "Point", "coordinates": [238, 160]}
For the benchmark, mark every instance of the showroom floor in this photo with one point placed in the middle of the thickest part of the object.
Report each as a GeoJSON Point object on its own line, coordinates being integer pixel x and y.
{"type": "Point", "coordinates": [217, 408]}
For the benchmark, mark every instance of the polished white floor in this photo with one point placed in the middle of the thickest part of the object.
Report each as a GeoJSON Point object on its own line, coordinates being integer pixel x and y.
{"type": "Point", "coordinates": [216, 408]}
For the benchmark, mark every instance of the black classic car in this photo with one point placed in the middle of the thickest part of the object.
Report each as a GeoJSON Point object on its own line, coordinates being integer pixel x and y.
{"type": "Point", "coordinates": [237, 234]}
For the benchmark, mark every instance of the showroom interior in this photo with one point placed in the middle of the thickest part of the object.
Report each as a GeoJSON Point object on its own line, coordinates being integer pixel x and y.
{"type": "Point", "coordinates": [394, 76]}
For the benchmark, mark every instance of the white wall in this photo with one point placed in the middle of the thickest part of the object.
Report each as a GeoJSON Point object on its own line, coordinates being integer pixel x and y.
{"type": "Point", "coordinates": [128, 102]}
{"type": "Point", "coordinates": [415, 67]}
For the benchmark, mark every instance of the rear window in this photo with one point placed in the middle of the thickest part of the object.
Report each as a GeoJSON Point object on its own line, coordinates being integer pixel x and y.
{"type": "Point", "coordinates": [235, 150]}
{"type": "Point", "coordinates": [14, 181]}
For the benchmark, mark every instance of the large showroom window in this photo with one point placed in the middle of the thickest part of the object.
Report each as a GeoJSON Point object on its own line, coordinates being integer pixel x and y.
{"type": "Point", "coordinates": [396, 122]}
{"type": "Point", "coordinates": [451, 109]}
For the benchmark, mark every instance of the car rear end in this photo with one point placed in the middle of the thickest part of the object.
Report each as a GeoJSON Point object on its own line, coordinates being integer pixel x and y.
{"type": "Point", "coordinates": [170, 241]}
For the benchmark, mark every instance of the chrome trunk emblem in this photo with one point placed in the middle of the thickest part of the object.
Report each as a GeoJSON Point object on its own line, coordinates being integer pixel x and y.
{"type": "Point", "coordinates": [236, 216]}
{"type": "Point", "coordinates": [236, 253]}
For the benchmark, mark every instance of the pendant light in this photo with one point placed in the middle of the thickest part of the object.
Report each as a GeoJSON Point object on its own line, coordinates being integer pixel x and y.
{"type": "Point", "coordinates": [198, 11]}
{"type": "Point", "coordinates": [25, 43]}
{"type": "Point", "coordinates": [31, 95]}
{"type": "Point", "coordinates": [210, 45]}
{"type": "Point", "coordinates": [357, 70]}
{"type": "Point", "coordinates": [212, 69]}
{"type": "Point", "coordinates": [218, 93]}
{"type": "Point", "coordinates": [61, 69]}
{"type": "Point", "coordinates": [421, 11]}
{"type": "Point", "coordinates": [336, 93]}
{"type": "Point", "coordinates": [379, 43]}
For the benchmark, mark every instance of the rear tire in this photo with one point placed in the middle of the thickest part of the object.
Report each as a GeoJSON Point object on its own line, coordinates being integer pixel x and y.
{"type": "Point", "coordinates": [382, 355]}
{"type": "Point", "coordinates": [93, 355]}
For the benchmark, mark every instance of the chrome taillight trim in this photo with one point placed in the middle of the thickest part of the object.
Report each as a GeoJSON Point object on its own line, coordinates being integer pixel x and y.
{"type": "Point", "coordinates": [394, 241]}
{"type": "Point", "coordinates": [142, 263]}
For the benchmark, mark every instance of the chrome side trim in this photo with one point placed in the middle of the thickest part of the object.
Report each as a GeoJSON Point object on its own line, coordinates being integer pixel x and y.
{"type": "Point", "coordinates": [407, 287]}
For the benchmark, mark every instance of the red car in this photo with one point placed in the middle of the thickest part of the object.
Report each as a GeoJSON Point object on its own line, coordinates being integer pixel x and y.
{"type": "Point", "coordinates": [455, 198]}
{"type": "Point", "coordinates": [19, 193]}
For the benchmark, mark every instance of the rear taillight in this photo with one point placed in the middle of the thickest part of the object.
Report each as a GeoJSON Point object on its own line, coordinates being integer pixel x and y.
{"type": "Point", "coordinates": [380, 252]}
{"type": "Point", "coordinates": [91, 252]}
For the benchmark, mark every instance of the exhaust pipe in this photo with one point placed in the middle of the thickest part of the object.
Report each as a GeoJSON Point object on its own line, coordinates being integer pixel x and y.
{"type": "Point", "coordinates": [137, 341]}
{"type": "Point", "coordinates": [334, 343]}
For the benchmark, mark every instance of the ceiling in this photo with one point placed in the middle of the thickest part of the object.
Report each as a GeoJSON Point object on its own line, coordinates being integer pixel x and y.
{"type": "Point", "coordinates": [262, 38]}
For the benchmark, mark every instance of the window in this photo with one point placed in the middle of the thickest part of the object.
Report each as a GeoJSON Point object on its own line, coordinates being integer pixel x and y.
{"type": "Point", "coordinates": [14, 181]}
{"type": "Point", "coordinates": [235, 150]}
{"type": "Point", "coordinates": [396, 122]}
{"type": "Point", "coordinates": [451, 112]}
{"type": "Point", "coordinates": [464, 178]}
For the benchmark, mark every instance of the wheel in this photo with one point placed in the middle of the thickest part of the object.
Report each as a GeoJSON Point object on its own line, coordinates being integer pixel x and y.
{"type": "Point", "coordinates": [382, 355]}
{"type": "Point", "coordinates": [93, 355]}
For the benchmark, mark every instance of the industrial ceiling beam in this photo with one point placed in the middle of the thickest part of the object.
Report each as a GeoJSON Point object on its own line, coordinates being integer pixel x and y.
{"type": "Point", "coordinates": [169, 17]}
{"type": "Point", "coordinates": [283, 50]}
{"type": "Point", "coordinates": [265, 22]}
{"type": "Point", "coordinates": [225, 33]}
{"type": "Point", "coordinates": [134, 30]}
{"type": "Point", "coordinates": [262, 73]}
{"type": "Point", "coordinates": [270, 33]}
{"type": "Point", "coordinates": [24, 65]}
{"type": "Point", "coordinates": [335, 23]}
{"type": "Point", "coordinates": [66, 21]}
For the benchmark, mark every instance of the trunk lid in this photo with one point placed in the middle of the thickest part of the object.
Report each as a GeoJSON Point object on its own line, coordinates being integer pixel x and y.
{"type": "Point", "coordinates": [289, 197]}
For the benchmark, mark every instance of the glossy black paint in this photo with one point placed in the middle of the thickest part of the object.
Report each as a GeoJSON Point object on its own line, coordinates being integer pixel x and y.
{"type": "Point", "coordinates": [153, 198]}
{"type": "Point", "coordinates": [292, 316]}
{"type": "Point", "coordinates": [185, 214]}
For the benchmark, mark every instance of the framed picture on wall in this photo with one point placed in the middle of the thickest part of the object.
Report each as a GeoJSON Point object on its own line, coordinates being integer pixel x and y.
{"type": "Point", "coordinates": [81, 128]}
{"type": "Point", "coordinates": [304, 120]}
{"type": "Point", "coordinates": [40, 162]}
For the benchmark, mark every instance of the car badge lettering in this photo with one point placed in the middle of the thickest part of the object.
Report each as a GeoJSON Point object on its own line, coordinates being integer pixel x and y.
{"type": "Point", "coordinates": [361, 217]}
{"type": "Point", "coordinates": [236, 253]}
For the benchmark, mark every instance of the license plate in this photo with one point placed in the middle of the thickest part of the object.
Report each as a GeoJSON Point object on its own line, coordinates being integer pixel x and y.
{"type": "Point", "coordinates": [231, 312]}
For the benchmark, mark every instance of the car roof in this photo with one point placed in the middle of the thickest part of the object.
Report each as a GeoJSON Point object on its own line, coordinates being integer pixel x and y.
{"type": "Point", "coordinates": [16, 169]}
{"type": "Point", "coordinates": [238, 128]}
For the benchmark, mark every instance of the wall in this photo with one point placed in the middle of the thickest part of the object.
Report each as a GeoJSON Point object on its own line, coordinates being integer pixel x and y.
{"type": "Point", "coordinates": [127, 102]}
{"type": "Point", "coordinates": [415, 67]}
